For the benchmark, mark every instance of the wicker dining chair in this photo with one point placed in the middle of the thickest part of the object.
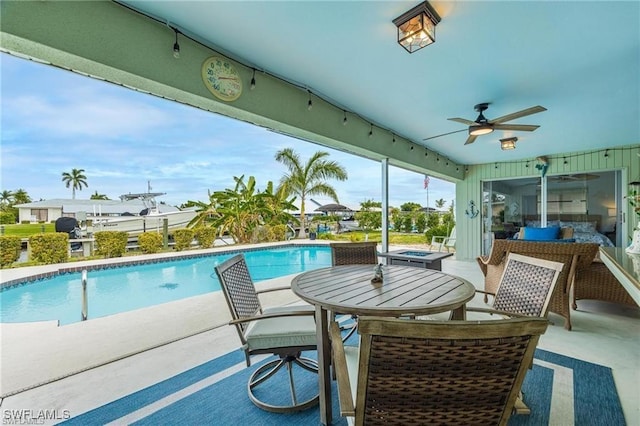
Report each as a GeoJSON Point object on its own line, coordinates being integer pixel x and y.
{"type": "Point", "coordinates": [354, 253]}
{"type": "Point", "coordinates": [285, 331]}
{"type": "Point", "coordinates": [365, 253]}
{"type": "Point", "coordinates": [415, 372]}
{"type": "Point", "coordinates": [526, 286]}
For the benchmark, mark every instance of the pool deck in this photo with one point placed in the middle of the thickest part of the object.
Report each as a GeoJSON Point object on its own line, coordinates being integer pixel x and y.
{"type": "Point", "coordinates": [81, 366]}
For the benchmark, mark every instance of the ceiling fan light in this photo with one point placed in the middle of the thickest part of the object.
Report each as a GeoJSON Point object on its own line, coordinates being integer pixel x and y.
{"type": "Point", "coordinates": [480, 129]}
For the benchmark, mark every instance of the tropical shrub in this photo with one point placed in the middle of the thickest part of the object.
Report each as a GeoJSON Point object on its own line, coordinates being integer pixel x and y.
{"type": "Point", "coordinates": [440, 230]}
{"type": "Point", "coordinates": [433, 220]}
{"type": "Point", "coordinates": [7, 218]}
{"type": "Point", "coordinates": [279, 232]}
{"type": "Point", "coordinates": [263, 234]}
{"type": "Point", "coordinates": [111, 243]}
{"type": "Point", "coordinates": [183, 238]}
{"type": "Point", "coordinates": [205, 236]}
{"type": "Point", "coordinates": [10, 247]}
{"type": "Point", "coordinates": [49, 248]}
{"type": "Point", "coordinates": [150, 242]}
{"type": "Point", "coordinates": [407, 223]}
{"type": "Point", "coordinates": [421, 222]}
{"type": "Point", "coordinates": [396, 220]}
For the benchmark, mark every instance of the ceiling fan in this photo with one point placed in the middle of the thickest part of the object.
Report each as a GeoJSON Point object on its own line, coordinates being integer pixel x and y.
{"type": "Point", "coordinates": [482, 126]}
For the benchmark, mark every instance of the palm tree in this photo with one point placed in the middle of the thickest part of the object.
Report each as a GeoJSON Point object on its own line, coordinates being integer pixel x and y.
{"type": "Point", "coordinates": [96, 196]}
{"type": "Point", "coordinates": [309, 179]}
{"type": "Point", "coordinates": [20, 196]}
{"type": "Point", "coordinates": [6, 197]}
{"type": "Point", "coordinates": [76, 180]}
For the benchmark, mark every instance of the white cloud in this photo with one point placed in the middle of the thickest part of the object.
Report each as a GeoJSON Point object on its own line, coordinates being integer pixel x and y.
{"type": "Point", "coordinates": [122, 139]}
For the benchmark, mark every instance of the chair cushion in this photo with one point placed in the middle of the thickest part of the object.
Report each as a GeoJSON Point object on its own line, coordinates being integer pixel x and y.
{"type": "Point", "coordinates": [282, 332]}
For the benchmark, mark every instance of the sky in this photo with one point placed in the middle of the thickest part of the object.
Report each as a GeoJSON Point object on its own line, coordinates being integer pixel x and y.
{"type": "Point", "coordinates": [53, 121]}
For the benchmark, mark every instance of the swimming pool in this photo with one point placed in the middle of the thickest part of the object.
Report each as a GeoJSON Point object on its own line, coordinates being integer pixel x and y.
{"type": "Point", "coordinates": [121, 289]}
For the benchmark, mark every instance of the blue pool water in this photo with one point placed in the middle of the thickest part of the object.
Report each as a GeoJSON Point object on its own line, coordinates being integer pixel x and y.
{"type": "Point", "coordinates": [122, 289]}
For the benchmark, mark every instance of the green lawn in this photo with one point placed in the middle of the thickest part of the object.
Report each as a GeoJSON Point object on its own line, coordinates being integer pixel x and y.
{"type": "Point", "coordinates": [24, 230]}
{"type": "Point", "coordinates": [394, 237]}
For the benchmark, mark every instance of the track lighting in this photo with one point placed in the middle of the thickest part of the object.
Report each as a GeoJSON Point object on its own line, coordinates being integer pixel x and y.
{"type": "Point", "coordinates": [176, 46]}
{"type": "Point", "coordinates": [310, 103]}
{"type": "Point", "coordinates": [344, 120]}
{"type": "Point", "coordinates": [253, 80]}
{"type": "Point", "coordinates": [371, 131]}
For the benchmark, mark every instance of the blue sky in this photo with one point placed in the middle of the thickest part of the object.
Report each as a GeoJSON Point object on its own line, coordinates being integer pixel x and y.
{"type": "Point", "coordinates": [55, 120]}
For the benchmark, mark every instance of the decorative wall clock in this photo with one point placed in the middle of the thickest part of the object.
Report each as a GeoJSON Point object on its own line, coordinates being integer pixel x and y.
{"type": "Point", "coordinates": [221, 78]}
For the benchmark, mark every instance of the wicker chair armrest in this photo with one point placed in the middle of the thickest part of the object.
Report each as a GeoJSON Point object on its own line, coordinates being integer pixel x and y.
{"type": "Point", "coordinates": [489, 293]}
{"type": "Point", "coordinates": [273, 315]}
{"type": "Point", "coordinates": [482, 262]}
{"type": "Point", "coordinates": [342, 375]}
{"type": "Point", "coordinates": [267, 290]}
{"type": "Point", "coordinates": [497, 312]}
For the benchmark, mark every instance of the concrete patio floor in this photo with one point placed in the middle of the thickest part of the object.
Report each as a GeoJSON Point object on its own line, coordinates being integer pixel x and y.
{"type": "Point", "coordinates": [81, 366]}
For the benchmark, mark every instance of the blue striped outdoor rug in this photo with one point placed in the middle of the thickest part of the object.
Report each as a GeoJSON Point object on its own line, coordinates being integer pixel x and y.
{"type": "Point", "coordinates": [215, 393]}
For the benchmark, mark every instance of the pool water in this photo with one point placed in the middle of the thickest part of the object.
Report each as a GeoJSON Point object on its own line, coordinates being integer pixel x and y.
{"type": "Point", "coordinates": [115, 290]}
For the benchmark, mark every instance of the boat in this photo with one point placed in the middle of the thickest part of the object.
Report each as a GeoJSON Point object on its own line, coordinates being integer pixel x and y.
{"type": "Point", "coordinates": [150, 218]}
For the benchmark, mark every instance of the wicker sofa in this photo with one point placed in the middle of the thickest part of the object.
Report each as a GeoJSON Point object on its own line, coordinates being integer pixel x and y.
{"type": "Point", "coordinates": [577, 258]}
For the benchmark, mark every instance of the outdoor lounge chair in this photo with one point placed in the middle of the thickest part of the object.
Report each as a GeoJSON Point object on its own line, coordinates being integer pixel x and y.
{"type": "Point", "coordinates": [415, 372]}
{"type": "Point", "coordinates": [282, 331]}
{"type": "Point", "coordinates": [440, 241]}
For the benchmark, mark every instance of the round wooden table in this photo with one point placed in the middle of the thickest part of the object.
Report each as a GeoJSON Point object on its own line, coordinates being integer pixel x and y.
{"type": "Point", "coordinates": [348, 289]}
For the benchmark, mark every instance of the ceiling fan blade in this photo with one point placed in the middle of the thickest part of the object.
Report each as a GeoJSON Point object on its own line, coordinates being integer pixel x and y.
{"type": "Point", "coordinates": [470, 139]}
{"type": "Point", "coordinates": [463, 121]}
{"type": "Point", "coordinates": [519, 127]}
{"type": "Point", "coordinates": [514, 115]}
{"type": "Point", "coordinates": [445, 134]}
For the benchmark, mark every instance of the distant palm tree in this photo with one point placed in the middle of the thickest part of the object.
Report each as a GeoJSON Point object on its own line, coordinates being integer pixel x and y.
{"type": "Point", "coordinates": [96, 196]}
{"type": "Point", "coordinates": [76, 180]}
{"type": "Point", "coordinates": [20, 196]}
{"type": "Point", "coordinates": [440, 203]}
{"type": "Point", "coordinates": [6, 197]}
{"type": "Point", "coordinates": [309, 179]}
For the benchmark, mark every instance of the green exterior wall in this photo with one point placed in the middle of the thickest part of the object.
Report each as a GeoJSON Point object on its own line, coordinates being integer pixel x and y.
{"type": "Point", "coordinates": [469, 231]}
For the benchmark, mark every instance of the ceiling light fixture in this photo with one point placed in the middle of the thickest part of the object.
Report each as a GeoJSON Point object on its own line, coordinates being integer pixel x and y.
{"type": "Point", "coordinates": [176, 46]}
{"type": "Point", "coordinates": [508, 143]}
{"type": "Point", "coordinates": [344, 120]}
{"type": "Point", "coordinates": [417, 27]}
{"type": "Point", "coordinates": [310, 103]}
{"type": "Point", "coordinates": [253, 80]}
{"type": "Point", "coordinates": [480, 129]}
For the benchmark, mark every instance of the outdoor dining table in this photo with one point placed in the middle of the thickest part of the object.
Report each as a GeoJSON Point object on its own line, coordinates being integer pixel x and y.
{"type": "Point", "coordinates": [348, 289]}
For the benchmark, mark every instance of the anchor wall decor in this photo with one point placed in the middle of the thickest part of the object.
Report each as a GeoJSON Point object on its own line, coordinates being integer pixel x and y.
{"type": "Point", "coordinates": [472, 211]}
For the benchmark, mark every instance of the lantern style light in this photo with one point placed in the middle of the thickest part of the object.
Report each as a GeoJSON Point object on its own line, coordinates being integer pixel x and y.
{"type": "Point", "coordinates": [417, 27]}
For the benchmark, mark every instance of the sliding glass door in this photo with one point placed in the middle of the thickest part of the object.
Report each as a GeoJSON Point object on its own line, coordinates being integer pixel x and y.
{"type": "Point", "coordinates": [588, 202]}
